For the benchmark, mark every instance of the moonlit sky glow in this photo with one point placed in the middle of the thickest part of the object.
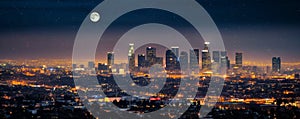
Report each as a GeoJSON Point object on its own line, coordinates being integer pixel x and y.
{"type": "Point", "coordinates": [260, 29]}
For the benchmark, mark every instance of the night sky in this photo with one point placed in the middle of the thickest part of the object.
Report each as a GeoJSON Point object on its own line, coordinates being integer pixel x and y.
{"type": "Point", "coordinates": [261, 29]}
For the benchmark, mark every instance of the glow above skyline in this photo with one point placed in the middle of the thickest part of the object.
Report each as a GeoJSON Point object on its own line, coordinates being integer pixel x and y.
{"type": "Point", "coordinates": [48, 31]}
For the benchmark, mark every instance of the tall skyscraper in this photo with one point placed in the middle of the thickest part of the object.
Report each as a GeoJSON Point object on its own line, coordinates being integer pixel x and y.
{"type": "Point", "coordinates": [276, 64]}
{"type": "Point", "coordinates": [216, 56]}
{"type": "Point", "coordinates": [170, 60]}
{"type": "Point", "coordinates": [151, 55]}
{"type": "Point", "coordinates": [239, 59]}
{"type": "Point", "coordinates": [141, 60]}
{"type": "Point", "coordinates": [223, 54]}
{"type": "Point", "coordinates": [110, 59]}
{"type": "Point", "coordinates": [183, 60]}
{"type": "Point", "coordinates": [225, 62]}
{"type": "Point", "coordinates": [228, 62]}
{"type": "Point", "coordinates": [175, 50]}
{"type": "Point", "coordinates": [131, 57]}
{"type": "Point", "coordinates": [91, 64]}
{"type": "Point", "coordinates": [194, 59]}
{"type": "Point", "coordinates": [206, 59]}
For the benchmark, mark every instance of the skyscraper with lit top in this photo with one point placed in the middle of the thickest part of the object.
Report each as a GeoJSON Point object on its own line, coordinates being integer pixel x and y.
{"type": "Point", "coordinates": [110, 59]}
{"type": "Point", "coordinates": [131, 57]}
{"type": "Point", "coordinates": [141, 60]}
{"type": "Point", "coordinates": [206, 59]}
{"type": "Point", "coordinates": [170, 60]}
{"type": "Point", "coordinates": [151, 55]}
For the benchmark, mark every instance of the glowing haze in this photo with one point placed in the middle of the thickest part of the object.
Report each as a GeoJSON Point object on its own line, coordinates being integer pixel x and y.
{"type": "Point", "coordinates": [43, 29]}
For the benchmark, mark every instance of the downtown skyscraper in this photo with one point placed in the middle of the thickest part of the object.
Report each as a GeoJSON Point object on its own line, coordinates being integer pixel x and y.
{"type": "Point", "coordinates": [216, 56]}
{"type": "Point", "coordinates": [171, 60]}
{"type": "Point", "coordinates": [148, 60]}
{"type": "Point", "coordinates": [239, 60]}
{"type": "Point", "coordinates": [151, 55]}
{"type": "Point", "coordinates": [220, 57]}
{"type": "Point", "coordinates": [184, 60]}
{"type": "Point", "coordinates": [141, 60]}
{"type": "Point", "coordinates": [110, 59]}
{"type": "Point", "coordinates": [131, 57]}
{"type": "Point", "coordinates": [206, 59]}
{"type": "Point", "coordinates": [175, 50]}
{"type": "Point", "coordinates": [276, 64]}
{"type": "Point", "coordinates": [194, 59]}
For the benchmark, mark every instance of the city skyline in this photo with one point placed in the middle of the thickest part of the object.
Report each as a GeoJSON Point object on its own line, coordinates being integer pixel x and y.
{"type": "Point", "coordinates": [143, 58]}
{"type": "Point", "coordinates": [184, 59]}
{"type": "Point", "coordinates": [140, 50]}
{"type": "Point", "coordinates": [215, 56]}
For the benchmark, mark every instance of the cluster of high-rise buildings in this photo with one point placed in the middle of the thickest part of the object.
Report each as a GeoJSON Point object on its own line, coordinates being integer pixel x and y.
{"type": "Point", "coordinates": [143, 60]}
{"type": "Point", "coordinates": [176, 60]}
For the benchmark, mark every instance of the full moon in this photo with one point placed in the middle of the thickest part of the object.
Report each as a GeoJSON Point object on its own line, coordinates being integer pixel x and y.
{"type": "Point", "coordinates": [95, 17]}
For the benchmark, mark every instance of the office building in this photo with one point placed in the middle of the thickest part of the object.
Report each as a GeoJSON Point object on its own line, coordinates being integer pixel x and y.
{"type": "Point", "coordinates": [239, 59]}
{"type": "Point", "coordinates": [131, 57]}
{"type": "Point", "coordinates": [170, 60]}
{"type": "Point", "coordinates": [91, 65]}
{"type": "Point", "coordinates": [151, 55]}
{"type": "Point", "coordinates": [225, 62]}
{"type": "Point", "coordinates": [175, 50]}
{"type": "Point", "coordinates": [141, 60]}
{"type": "Point", "coordinates": [194, 59]}
{"type": "Point", "coordinates": [102, 67]}
{"type": "Point", "coordinates": [276, 64]}
{"type": "Point", "coordinates": [110, 59]}
{"type": "Point", "coordinates": [183, 60]}
{"type": "Point", "coordinates": [216, 56]}
{"type": "Point", "coordinates": [206, 59]}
